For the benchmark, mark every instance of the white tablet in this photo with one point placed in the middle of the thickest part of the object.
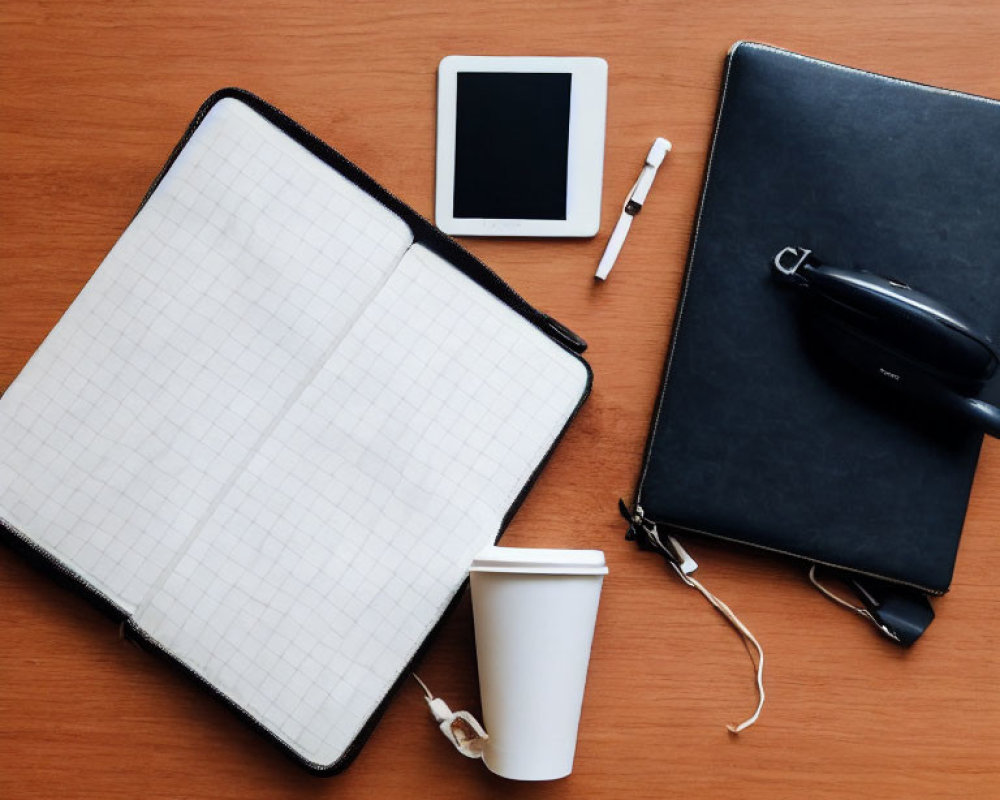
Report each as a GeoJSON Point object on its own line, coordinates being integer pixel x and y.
{"type": "Point", "coordinates": [520, 145]}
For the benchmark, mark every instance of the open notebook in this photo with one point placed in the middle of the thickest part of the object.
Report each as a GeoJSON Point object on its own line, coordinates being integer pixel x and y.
{"type": "Point", "coordinates": [277, 424]}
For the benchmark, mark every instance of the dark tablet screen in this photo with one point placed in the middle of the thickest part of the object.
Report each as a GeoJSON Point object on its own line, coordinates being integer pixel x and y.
{"type": "Point", "coordinates": [512, 145]}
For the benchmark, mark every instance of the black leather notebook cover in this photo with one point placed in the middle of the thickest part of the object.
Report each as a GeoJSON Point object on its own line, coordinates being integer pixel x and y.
{"type": "Point", "coordinates": [753, 438]}
{"type": "Point", "coordinates": [424, 235]}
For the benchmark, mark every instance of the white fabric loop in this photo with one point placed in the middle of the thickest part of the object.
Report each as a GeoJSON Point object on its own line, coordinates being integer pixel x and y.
{"type": "Point", "coordinates": [859, 610]}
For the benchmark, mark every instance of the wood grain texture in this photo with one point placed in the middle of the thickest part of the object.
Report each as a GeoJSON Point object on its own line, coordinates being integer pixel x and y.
{"type": "Point", "coordinates": [92, 98]}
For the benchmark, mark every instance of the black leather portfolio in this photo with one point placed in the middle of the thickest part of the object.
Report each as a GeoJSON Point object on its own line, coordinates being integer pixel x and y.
{"type": "Point", "coordinates": [754, 438]}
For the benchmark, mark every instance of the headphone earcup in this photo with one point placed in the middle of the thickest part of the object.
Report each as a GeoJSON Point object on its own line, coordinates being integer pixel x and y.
{"type": "Point", "coordinates": [981, 414]}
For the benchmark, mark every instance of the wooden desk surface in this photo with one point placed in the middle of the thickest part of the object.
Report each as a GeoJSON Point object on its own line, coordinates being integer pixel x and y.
{"type": "Point", "coordinates": [93, 97]}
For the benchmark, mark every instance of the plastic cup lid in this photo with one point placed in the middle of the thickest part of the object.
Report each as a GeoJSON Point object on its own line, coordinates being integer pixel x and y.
{"type": "Point", "coordinates": [534, 560]}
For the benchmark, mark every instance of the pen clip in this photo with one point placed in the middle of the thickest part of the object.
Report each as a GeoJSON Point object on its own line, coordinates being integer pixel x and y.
{"type": "Point", "coordinates": [633, 205]}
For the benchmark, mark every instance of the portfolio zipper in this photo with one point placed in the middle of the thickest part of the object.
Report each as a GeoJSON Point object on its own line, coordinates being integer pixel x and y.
{"type": "Point", "coordinates": [648, 530]}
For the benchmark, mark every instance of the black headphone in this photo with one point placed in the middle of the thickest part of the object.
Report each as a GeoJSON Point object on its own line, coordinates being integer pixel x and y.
{"type": "Point", "coordinates": [898, 336]}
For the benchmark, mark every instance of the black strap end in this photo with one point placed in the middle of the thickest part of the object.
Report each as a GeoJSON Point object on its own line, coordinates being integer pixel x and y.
{"type": "Point", "coordinates": [572, 340]}
{"type": "Point", "coordinates": [905, 613]}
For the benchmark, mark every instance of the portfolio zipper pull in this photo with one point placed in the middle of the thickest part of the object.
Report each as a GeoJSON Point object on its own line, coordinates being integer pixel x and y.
{"type": "Point", "coordinates": [646, 534]}
{"type": "Point", "coordinates": [633, 521]}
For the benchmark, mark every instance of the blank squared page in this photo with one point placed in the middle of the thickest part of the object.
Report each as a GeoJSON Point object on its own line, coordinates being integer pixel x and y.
{"type": "Point", "coordinates": [325, 566]}
{"type": "Point", "coordinates": [222, 297]}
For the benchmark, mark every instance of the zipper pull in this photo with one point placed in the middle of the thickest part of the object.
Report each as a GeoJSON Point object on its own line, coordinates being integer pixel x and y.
{"type": "Point", "coordinates": [572, 340]}
{"type": "Point", "coordinates": [644, 532]}
{"type": "Point", "coordinates": [640, 529]}
{"type": "Point", "coordinates": [632, 520]}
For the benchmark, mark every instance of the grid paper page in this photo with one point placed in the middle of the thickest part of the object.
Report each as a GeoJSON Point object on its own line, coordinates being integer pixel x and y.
{"type": "Point", "coordinates": [323, 569]}
{"type": "Point", "coordinates": [222, 297]}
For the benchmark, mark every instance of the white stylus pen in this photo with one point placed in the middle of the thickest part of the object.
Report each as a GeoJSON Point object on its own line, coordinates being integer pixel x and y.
{"type": "Point", "coordinates": [633, 205]}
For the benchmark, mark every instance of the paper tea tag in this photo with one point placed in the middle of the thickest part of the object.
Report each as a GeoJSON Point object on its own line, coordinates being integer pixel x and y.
{"type": "Point", "coordinates": [459, 727]}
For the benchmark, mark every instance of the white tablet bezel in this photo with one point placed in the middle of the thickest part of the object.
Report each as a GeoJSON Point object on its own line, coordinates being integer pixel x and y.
{"type": "Point", "coordinates": [585, 165]}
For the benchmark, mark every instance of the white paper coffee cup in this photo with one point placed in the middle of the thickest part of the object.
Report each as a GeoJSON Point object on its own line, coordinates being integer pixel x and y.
{"type": "Point", "coordinates": [534, 614]}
